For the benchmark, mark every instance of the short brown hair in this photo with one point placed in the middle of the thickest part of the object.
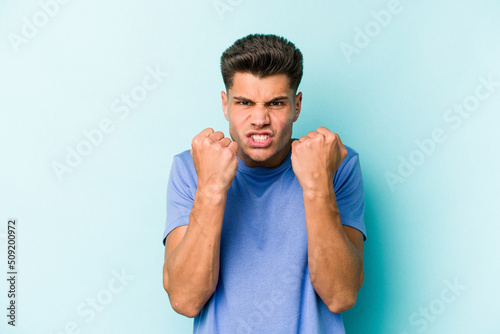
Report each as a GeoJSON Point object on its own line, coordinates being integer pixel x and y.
{"type": "Point", "coordinates": [262, 56]}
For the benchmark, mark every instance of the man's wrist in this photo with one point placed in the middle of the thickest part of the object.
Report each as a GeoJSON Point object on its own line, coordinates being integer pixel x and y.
{"type": "Point", "coordinates": [318, 192]}
{"type": "Point", "coordinates": [211, 195]}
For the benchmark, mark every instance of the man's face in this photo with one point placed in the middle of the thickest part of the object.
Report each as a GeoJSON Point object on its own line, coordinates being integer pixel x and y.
{"type": "Point", "coordinates": [260, 114]}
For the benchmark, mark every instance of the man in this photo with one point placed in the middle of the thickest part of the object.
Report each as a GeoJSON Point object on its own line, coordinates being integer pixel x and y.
{"type": "Point", "coordinates": [264, 234]}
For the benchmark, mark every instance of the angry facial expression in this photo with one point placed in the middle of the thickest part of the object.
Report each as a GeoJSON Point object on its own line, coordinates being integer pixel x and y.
{"type": "Point", "coordinates": [261, 112]}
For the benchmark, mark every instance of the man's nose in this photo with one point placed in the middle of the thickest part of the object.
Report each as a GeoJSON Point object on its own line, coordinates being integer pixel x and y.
{"type": "Point", "coordinates": [260, 115]}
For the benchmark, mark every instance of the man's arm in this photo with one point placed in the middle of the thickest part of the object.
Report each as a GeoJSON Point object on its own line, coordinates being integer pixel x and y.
{"type": "Point", "coordinates": [335, 252]}
{"type": "Point", "coordinates": [191, 268]}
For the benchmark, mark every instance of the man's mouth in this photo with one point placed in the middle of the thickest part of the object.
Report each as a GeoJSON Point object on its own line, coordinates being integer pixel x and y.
{"type": "Point", "coordinates": [259, 140]}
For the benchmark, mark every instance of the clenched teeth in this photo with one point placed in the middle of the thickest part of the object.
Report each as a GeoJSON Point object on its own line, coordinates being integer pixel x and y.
{"type": "Point", "coordinates": [260, 138]}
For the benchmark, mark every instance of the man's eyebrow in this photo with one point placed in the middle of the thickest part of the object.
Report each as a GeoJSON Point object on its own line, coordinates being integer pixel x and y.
{"type": "Point", "coordinates": [241, 98]}
{"type": "Point", "coordinates": [277, 98]}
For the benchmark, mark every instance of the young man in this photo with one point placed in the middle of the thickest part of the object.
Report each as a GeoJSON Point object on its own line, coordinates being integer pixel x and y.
{"type": "Point", "coordinates": [264, 234]}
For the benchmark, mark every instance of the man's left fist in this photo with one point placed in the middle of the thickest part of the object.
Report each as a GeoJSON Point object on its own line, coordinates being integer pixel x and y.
{"type": "Point", "coordinates": [316, 157]}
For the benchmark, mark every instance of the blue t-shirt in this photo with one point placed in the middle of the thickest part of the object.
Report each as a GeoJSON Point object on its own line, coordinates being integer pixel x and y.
{"type": "Point", "coordinates": [264, 284]}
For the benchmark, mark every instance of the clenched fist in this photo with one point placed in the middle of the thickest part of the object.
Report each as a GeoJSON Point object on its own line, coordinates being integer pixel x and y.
{"type": "Point", "coordinates": [215, 160]}
{"type": "Point", "coordinates": [315, 159]}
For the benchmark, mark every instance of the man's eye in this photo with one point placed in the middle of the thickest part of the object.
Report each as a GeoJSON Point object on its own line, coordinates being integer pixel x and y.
{"type": "Point", "coordinates": [276, 104]}
{"type": "Point", "coordinates": [243, 103]}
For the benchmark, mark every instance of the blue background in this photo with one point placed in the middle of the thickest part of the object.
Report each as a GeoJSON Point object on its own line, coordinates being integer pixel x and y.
{"type": "Point", "coordinates": [65, 67]}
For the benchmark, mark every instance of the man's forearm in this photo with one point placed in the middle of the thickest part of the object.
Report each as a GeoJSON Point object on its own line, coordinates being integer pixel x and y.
{"type": "Point", "coordinates": [335, 265]}
{"type": "Point", "coordinates": [193, 267]}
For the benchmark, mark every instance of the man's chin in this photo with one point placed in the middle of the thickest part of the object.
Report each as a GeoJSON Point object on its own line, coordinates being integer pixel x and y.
{"type": "Point", "coordinates": [258, 154]}
{"type": "Point", "coordinates": [262, 157]}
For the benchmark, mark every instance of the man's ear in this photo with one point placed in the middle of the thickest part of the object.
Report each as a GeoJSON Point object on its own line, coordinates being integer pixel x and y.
{"type": "Point", "coordinates": [224, 104]}
{"type": "Point", "coordinates": [298, 105]}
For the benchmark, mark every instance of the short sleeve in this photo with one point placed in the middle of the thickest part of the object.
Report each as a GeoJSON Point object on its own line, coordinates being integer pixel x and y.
{"type": "Point", "coordinates": [181, 189]}
{"type": "Point", "coordinates": [349, 191]}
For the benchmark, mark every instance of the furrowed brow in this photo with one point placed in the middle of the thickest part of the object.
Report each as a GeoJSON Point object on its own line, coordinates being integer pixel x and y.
{"type": "Point", "coordinates": [242, 99]}
{"type": "Point", "coordinates": [276, 99]}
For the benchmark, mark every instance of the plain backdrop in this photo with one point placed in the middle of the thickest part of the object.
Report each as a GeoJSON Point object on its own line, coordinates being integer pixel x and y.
{"type": "Point", "coordinates": [96, 97]}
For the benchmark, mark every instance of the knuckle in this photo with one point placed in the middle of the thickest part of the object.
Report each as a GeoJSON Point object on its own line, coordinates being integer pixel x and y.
{"type": "Point", "coordinates": [206, 142]}
{"type": "Point", "coordinates": [324, 129]}
{"type": "Point", "coordinates": [217, 145]}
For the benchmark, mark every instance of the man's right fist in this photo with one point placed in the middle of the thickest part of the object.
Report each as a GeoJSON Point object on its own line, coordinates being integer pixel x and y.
{"type": "Point", "coordinates": [215, 159]}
